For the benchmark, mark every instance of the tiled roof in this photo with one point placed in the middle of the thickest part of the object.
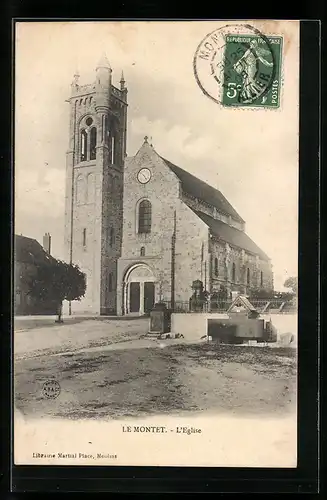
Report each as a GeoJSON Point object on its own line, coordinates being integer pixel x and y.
{"type": "Point", "coordinates": [231, 235]}
{"type": "Point", "coordinates": [241, 300]}
{"type": "Point", "coordinates": [201, 190]}
{"type": "Point", "coordinates": [30, 251]}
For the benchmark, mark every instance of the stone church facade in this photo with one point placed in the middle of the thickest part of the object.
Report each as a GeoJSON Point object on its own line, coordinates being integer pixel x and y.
{"type": "Point", "coordinates": [142, 228]}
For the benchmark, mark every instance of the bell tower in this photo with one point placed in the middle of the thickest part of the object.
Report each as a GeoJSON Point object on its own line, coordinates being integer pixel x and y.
{"type": "Point", "coordinates": [94, 185]}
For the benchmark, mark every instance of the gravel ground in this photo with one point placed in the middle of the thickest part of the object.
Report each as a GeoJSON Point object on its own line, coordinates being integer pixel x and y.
{"type": "Point", "coordinates": [162, 378]}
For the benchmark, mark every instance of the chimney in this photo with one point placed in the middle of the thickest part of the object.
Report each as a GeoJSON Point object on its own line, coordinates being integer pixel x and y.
{"type": "Point", "coordinates": [47, 242]}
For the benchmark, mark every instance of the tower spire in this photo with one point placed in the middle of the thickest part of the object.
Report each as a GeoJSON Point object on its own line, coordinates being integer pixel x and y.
{"type": "Point", "coordinates": [103, 62]}
{"type": "Point", "coordinates": [122, 81]}
{"type": "Point", "coordinates": [75, 80]}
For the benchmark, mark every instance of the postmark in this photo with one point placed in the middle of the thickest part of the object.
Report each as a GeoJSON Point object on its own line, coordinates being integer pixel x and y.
{"type": "Point", "coordinates": [238, 66]}
{"type": "Point", "coordinates": [51, 389]}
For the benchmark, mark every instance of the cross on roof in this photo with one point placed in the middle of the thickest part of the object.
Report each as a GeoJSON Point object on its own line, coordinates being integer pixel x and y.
{"type": "Point", "coordinates": [146, 138]}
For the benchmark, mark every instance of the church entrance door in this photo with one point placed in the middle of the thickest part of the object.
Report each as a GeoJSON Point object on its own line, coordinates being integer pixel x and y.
{"type": "Point", "coordinates": [134, 297]}
{"type": "Point", "coordinates": [139, 286]}
{"type": "Point", "coordinates": [148, 296]}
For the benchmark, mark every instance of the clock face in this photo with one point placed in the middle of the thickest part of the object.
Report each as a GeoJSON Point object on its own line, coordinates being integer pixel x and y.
{"type": "Point", "coordinates": [144, 175]}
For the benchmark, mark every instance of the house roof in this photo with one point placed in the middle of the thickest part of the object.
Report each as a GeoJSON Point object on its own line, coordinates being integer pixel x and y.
{"type": "Point", "coordinates": [241, 301]}
{"type": "Point", "coordinates": [231, 235]}
{"type": "Point", "coordinates": [201, 190]}
{"type": "Point", "coordinates": [29, 250]}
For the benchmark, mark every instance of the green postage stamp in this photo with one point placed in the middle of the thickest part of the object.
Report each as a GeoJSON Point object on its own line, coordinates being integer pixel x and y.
{"type": "Point", "coordinates": [238, 66]}
{"type": "Point", "coordinates": [252, 71]}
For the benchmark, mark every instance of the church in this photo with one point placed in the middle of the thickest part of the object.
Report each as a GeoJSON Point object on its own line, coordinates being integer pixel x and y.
{"type": "Point", "coordinates": [141, 228]}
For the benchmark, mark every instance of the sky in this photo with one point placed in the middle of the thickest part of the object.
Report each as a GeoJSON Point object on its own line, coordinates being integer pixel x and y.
{"type": "Point", "coordinates": [251, 155]}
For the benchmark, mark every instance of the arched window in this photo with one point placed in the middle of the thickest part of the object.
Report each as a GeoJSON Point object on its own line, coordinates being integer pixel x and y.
{"type": "Point", "coordinates": [234, 272]}
{"type": "Point", "coordinates": [91, 99]}
{"type": "Point", "coordinates": [248, 276]}
{"type": "Point", "coordinates": [105, 131]}
{"type": "Point", "coordinates": [110, 287]}
{"type": "Point", "coordinates": [261, 278]}
{"type": "Point", "coordinates": [103, 128]}
{"type": "Point", "coordinates": [79, 191]}
{"type": "Point", "coordinates": [144, 222]}
{"type": "Point", "coordinates": [90, 188]}
{"type": "Point", "coordinates": [93, 143]}
{"type": "Point", "coordinates": [111, 236]}
{"type": "Point", "coordinates": [112, 147]}
{"type": "Point", "coordinates": [142, 252]}
{"type": "Point", "coordinates": [84, 237]}
{"type": "Point", "coordinates": [216, 266]}
{"type": "Point", "coordinates": [116, 150]}
{"type": "Point", "coordinates": [83, 145]}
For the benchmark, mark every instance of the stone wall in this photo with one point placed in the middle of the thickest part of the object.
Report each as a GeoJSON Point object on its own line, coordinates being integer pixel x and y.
{"type": "Point", "coordinates": [194, 325]}
{"type": "Point", "coordinates": [162, 191]}
{"type": "Point", "coordinates": [228, 255]}
{"type": "Point", "coordinates": [112, 221]}
{"type": "Point", "coordinates": [192, 253]}
{"type": "Point", "coordinates": [94, 194]}
{"type": "Point", "coordinates": [168, 211]}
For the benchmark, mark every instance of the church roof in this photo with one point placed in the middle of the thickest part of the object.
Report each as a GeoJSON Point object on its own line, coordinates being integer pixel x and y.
{"type": "Point", "coordinates": [231, 235]}
{"type": "Point", "coordinates": [201, 190]}
{"type": "Point", "coordinates": [30, 251]}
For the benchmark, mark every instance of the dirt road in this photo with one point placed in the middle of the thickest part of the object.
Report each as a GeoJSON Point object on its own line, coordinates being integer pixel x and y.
{"type": "Point", "coordinates": [74, 335]}
{"type": "Point", "coordinates": [159, 380]}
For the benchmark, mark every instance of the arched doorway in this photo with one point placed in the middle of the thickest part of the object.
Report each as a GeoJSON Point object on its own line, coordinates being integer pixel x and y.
{"type": "Point", "coordinates": [139, 290]}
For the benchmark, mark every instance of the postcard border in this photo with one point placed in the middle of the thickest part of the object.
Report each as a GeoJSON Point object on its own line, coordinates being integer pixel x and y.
{"type": "Point", "coordinates": [168, 479]}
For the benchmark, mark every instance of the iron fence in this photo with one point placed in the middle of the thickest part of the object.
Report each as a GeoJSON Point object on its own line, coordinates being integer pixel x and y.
{"type": "Point", "coordinates": [262, 306]}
